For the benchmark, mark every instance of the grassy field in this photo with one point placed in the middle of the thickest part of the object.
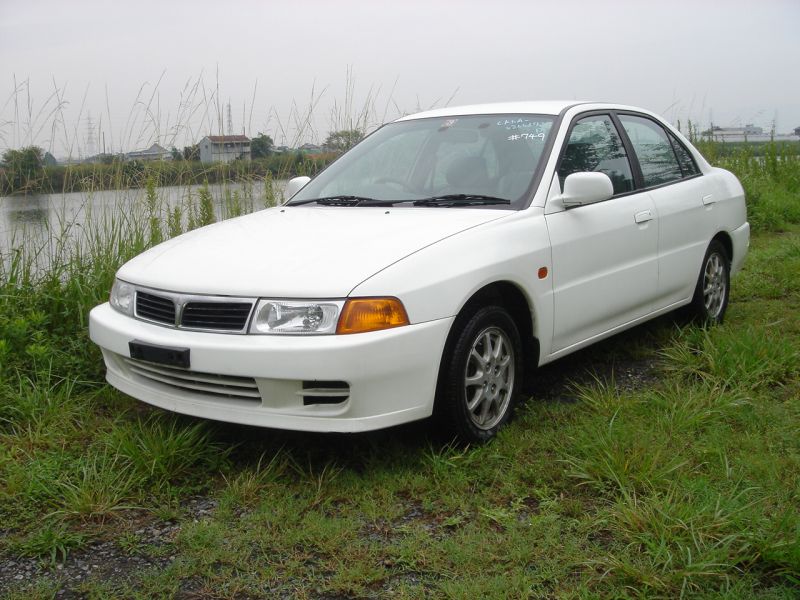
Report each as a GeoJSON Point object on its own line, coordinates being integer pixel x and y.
{"type": "Point", "coordinates": [664, 462]}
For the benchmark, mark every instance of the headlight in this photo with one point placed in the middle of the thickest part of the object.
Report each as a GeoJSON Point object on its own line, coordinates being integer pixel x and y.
{"type": "Point", "coordinates": [309, 317]}
{"type": "Point", "coordinates": [296, 316]}
{"type": "Point", "coordinates": [122, 295]}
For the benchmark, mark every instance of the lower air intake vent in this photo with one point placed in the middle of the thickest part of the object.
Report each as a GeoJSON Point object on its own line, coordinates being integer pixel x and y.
{"type": "Point", "coordinates": [325, 392]}
{"type": "Point", "coordinates": [209, 384]}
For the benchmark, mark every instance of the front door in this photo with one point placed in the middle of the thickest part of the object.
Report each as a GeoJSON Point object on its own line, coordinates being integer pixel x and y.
{"type": "Point", "coordinates": [605, 255]}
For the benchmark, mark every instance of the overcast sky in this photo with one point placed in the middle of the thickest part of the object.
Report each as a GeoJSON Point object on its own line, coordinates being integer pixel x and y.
{"type": "Point", "coordinates": [166, 70]}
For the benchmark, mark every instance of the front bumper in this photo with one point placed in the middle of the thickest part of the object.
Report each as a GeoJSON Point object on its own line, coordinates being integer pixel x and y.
{"type": "Point", "coordinates": [391, 374]}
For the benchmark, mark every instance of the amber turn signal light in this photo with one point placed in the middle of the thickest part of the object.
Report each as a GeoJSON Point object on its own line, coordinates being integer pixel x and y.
{"type": "Point", "coordinates": [371, 314]}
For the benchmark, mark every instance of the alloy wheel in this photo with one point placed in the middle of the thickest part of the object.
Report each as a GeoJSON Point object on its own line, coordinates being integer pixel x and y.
{"type": "Point", "coordinates": [489, 377]}
{"type": "Point", "coordinates": [714, 285]}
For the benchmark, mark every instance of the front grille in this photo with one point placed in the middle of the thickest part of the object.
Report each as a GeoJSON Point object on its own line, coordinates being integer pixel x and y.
{"type": "Point", "coordinates": [227, 316]}
{"type": "Point", "coordinates": [209, 384]}
{"type": "Point", "coordinates": [155, 308]}
{"type": "Point", "coordinates": [214, 313]}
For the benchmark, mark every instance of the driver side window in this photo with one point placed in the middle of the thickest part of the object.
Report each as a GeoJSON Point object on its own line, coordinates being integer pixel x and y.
{"type": "Point", "coordinates": [594, 145]}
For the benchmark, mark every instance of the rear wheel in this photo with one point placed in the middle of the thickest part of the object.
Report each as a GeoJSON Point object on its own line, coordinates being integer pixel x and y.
{"type": "Point", "coordinates": [480, 375]}
{"type": "Point", "coordinates": [713, 285]}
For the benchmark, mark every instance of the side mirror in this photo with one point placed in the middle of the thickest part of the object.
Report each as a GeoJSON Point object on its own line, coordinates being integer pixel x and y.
{"type": "Point", "coordinates": [585, 188]}
{"type": "Point", "coordinates": [295, 185]}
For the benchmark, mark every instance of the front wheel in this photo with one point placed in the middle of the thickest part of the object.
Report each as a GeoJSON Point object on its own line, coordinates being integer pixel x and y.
{"type": "Point", "coordinates": [480, 375]}
{"type": "Point", "coordinates": [713, 285]}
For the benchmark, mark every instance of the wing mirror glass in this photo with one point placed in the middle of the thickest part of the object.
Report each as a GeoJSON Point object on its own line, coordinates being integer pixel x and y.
{"type": "Point", "coordinates": [585, 188]}
{"type": "Point", "coordinates": [295, 185]}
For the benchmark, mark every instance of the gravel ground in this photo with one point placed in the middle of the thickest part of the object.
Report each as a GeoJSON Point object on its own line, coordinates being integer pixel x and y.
{"type": "Point", "coordinates": [104, 560]}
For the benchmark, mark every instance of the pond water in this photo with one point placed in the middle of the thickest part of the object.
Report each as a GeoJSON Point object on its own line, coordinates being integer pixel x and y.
{"type": "Point", "coordinates": [37, 221]}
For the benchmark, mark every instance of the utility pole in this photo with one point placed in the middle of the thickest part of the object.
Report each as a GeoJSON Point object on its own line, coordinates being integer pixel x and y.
{"type": "Point", "coordinates": [91, 145]}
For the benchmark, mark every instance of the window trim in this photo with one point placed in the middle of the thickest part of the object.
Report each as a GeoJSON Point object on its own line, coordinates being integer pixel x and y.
{"type": "Point", "coordinates": [634, 165]}
{"type": "Point", "coordinates": [633, 157]}
{"type": "Point", "coordinates": [673, 139]}
{"type": "Point", "coordinates": [640, 184]}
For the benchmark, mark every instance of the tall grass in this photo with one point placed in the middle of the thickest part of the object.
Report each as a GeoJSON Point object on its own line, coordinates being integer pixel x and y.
{"type": "Point", "coordinates": [771, 180]}
{"type": "Point", "coordinates": [200, 111]}
{"type": "Point", "coordinates": [119, 175]}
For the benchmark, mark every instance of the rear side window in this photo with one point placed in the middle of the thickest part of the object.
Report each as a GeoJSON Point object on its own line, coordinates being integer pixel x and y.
{"type": "Point", "coordinates": [656, 157]}
{"type": "Point", "coordinates": [685, 160]}
{"type": "Point", "coordinates": [595, 145]}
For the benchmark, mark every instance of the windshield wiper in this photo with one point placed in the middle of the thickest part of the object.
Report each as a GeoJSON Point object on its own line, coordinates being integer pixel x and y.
{"type": "Point", "coordinates": [445, 200]}
{"type": "Point", "coordinates": [340, 201]}
{"type": "Point", "coordinates": [460, 200]}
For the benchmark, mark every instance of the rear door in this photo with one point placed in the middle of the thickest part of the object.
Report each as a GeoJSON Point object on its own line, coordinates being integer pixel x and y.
{"type": "Point", "coordinates": [684, 200]}
{"type": "Point", "coordinates": [605, 255]}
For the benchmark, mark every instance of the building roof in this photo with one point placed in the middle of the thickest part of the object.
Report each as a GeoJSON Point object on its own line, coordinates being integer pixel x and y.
{"type": "Point", "coordinates": [154, 149]}
{"type": "Point", "coordinates": [219, 139]}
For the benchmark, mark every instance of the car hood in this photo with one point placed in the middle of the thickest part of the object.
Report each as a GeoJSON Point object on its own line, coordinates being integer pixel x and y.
{"type": "Point", "coordinates": [299, 252]}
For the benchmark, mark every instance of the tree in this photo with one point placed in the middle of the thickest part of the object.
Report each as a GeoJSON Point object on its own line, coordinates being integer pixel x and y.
{"type": "Point", "coordinates": [261, 146]}
{"type": "Point", "coordinates": [24, 168]}
{"type": "Point", "coordinates": [191, 152]}
{"type": "Point", "coordinates": [344, 139]}
{"type": "Point", "coordinates": [176, 154]}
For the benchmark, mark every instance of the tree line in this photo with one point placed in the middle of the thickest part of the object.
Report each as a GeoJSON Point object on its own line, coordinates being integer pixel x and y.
{"type": "Point", "coordinates": [32, 170]}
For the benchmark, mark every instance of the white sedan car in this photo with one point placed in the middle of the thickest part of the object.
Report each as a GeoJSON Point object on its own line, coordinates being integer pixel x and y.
{"type": "Point", "coordinates": [428, 270]}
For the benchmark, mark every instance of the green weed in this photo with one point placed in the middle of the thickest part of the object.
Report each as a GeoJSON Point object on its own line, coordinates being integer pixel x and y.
{"type": "Point", "coordinates": [163, 449]}
{"type": "Point", "coordinates": [52, 540]}
{"type": "Point", "coordinates": [101, 487]}
{"type": "Point", "coordinates": [742, 358]}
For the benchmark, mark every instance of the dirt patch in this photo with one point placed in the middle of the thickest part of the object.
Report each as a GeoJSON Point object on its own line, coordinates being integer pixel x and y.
{"type": "Point", "coordinates": [147, 544]}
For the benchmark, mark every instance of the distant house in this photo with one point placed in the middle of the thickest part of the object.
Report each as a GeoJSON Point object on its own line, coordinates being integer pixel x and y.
{"type": "Point", "coordinates": [154, 152]}
{"type": "Point", "coordinates": [723, 132]}
{"type": "Point", "coordinates": [224, 148]}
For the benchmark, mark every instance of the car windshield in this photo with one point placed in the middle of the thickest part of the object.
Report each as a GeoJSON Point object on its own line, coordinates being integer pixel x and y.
{"type": "Point", "coordinates": [477, 160]}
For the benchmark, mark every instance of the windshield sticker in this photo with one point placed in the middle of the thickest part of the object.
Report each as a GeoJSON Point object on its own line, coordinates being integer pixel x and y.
{"type": "Point", "coordinates": [521, 123]}
{"type": "Point", "coordinates": [526, 136]}
{"type": "Point", "coordinates": [448, 123]}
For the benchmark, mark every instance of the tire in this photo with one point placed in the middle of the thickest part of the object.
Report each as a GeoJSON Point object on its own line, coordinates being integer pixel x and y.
{"type": "Point", "coordinates": [480, 375]}
{"type": "Point", "coordinates": [711, 295]}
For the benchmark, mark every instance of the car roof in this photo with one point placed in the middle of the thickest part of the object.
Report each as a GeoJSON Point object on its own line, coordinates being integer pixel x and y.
{"type": "Point", "coordinates": [541, 107]}
{"type": "Point", "coordinates": [538, 107]}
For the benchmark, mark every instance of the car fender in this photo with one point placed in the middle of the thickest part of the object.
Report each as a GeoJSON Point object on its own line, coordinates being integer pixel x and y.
{"type": "Point", "coordinates": [515, 249]}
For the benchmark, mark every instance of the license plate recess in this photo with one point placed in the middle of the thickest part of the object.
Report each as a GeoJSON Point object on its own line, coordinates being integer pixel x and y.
{"type": "Point", "coordinates": [162, 355]}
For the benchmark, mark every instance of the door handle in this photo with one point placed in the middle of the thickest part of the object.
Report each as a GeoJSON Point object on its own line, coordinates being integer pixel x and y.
{"type": "Point", "coordinates": [709, 199]}
{"type": "Point", "coordinates": [643, 216]}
